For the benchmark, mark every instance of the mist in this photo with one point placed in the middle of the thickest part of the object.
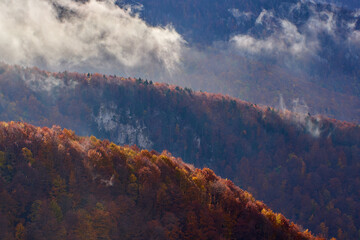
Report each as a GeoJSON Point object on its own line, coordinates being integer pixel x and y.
{"type": "Point", "coordinates": [313, 59]}
{"type": "Point", "coordinates": [276, 55]}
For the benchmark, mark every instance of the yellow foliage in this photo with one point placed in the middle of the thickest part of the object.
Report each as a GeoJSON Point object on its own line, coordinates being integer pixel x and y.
{"type": "Point", "coordinates": [95, 141]}
{"type": "Point", "coordinates": [166, 160]}
{"type": "Point", "coordinates": [129, 152]}
{"type": "Point", "coordinates": [113, 147]}
{"type": "Point", "coordinates": [2, 159]}
{"type": "Point", "coordinates": [279, 219]}
{"type": "Point", "coordinates": [56, 209]}
{"type": "Point", "coordinates": [20, 232]}
{"type": "Point", "coordinates": [27, 154]}
{"type": "Point", "coordinates": [100, 206]}
{"type": "Point", "coordinates": [275, 218]}
{"type": "Point", "coordinates": [69, 133]}
{"type": "Point", "coordinates": [248, 196]}
{"type": "Point", "coordinates": [4, 124]}
{"type": "Point", "coordinates": [132, 178]}
{"type": "Point", "coordinates": [58, 186]}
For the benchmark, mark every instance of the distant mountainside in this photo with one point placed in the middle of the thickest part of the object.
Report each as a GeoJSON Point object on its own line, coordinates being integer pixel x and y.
{"type": "Point", "coordinates": [301, 165]}
{"type": "Point", "coordinates": [55, 185]}
{"type": "Point", "coordinates": [301, 49]}
{"type": "Point", "coordinates": [256, 50]}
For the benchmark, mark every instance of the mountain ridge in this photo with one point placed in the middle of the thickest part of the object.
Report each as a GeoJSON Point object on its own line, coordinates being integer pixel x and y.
{"type": "Point", "coordinates": [273, 153]}
{"type": "Point", "coordinates": [56, 185]}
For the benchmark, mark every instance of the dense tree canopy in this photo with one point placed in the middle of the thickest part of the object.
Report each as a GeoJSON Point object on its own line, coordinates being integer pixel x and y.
{"type": "Point", "coordinates": [303, 166]}
{"type": "Point", "coordinates": [56, 185]}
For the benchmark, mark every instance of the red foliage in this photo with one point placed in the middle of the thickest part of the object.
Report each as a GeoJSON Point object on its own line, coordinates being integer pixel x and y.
{"type": "Point", "coordinates": [145, 197]}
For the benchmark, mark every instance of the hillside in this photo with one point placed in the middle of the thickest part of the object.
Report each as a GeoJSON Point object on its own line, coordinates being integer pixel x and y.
{"type": "Point", "coordinates": [258, 50]}
{"type": "Point", "coordinates": [303, 166]}
{"type": "Point", "coordinates": [254, 50]}
{"type": "Point", "coordinates": [259, 82]}
{"type": "Point", "coordinates": [56, 185]}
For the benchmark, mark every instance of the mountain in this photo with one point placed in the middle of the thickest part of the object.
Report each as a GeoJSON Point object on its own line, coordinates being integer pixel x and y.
{"type": "Point", "coordinates": [299, 49]}
{"type": "Point", "coordinates": [56, 185]}
{"type": "Point", "coordinates": [301, 165]}
{"type": "Point", "coordinates": [258, 50]}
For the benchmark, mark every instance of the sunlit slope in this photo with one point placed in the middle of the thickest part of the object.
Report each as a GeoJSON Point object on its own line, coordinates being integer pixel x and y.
{"type": "Point", "coordinates": [56, 185]}
{"type": "Point", "coordinates": [303, 166]}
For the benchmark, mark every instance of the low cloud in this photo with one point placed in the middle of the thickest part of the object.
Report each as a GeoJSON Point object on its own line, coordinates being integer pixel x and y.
{"type": "Point", "coordinates": [297, 39]}
{"type": "Point", "coordinates": [99, 36]}
{"type": "Point", "coordinates": [95, 35]}
{"type": "Point", "coordinates": [300, 115]}
{"type": "Point", "coordinates": [265, 17]}
{"type": "Point", "coordinates": [41, 83]}
{"type": "Point", "coordinates": [321, 22]}
{"type": "Point", "coordinates": [354, 36]}
{"type": "Point", "coordinates": [240, 15]}
{"type": "Point", "coordinates": [287, 40]}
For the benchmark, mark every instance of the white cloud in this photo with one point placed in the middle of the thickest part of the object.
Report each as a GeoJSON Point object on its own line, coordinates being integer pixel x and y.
{"type": "Point", "coordinates": [98, 35]}
{"type": "Point", "coordinates": [240, 15]}
{"type": "Point", "coordinates": [354, 38]}
{"type": "Point", "coordinates": [322, 22]}
{"type": "Point", "coordinates": [299, 114]}
{"type": "Point", "coordinates": [263, 16]}
{"type": "Point", "coordinates": [41, 83]}
{"type": "Point", "coordinates": [287, 39]}
{"type": "Point", "coordinates": [357, 13]}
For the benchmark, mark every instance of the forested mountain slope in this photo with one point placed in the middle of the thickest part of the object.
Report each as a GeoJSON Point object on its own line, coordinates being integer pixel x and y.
{"type": "Point", "coordinates": [305, 167]}
{"type": "Point", "coordinates": [256, 50]}
{"type": "Point", "coordinates": [56, 185]}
